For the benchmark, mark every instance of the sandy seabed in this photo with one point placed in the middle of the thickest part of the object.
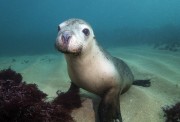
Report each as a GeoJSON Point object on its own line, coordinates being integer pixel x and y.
{"type": "Point", "coordinates": [139, 104]}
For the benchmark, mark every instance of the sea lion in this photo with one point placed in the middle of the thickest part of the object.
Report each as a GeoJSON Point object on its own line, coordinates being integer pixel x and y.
{"type": "Point", "coordinates": [92, 68]}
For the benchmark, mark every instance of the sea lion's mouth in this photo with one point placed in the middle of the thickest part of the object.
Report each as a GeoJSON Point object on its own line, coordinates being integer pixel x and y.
{"type": "Point", "coordinates": [61, 47]}
{"type": "Point", "coordinates": [73, 52]}
{"type": "Point", "coordinates": [66, 49]}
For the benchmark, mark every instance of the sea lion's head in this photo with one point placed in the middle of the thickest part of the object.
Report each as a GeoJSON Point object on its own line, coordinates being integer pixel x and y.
{"type": "Point", "coordinates": [74, 36]}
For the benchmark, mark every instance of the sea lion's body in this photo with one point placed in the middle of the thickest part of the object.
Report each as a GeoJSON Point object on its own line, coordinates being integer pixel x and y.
{"type": "Point", "coordinates": [92, 68]}
{"type": "Point", "coordinates": [98, 72]}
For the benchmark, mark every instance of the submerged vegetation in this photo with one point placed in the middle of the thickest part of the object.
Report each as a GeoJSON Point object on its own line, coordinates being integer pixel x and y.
{"type": "Point", "coordinates": [170, 46]}
{"type": "Point", "coordinates": [22, 102]}
{"type": "Point", "coordinates": [172, 113]}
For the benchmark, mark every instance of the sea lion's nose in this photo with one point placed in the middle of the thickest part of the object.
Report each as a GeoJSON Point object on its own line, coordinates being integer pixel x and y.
{"type": "Point", "coordinates": [66, 36]}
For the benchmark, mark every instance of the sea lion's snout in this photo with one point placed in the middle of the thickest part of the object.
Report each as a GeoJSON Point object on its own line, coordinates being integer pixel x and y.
{"type": "Point", "coordinates": [67, 42]}
{"type": "Point", "coordinates": [63, 40]}
{"type": "Point", "coordinates": [65, 37]}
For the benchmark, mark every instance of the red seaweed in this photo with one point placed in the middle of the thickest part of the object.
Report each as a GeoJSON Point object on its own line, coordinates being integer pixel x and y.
{"type": "Point", "coordinates": [22, 102]}
{"type": "Point", "coordinates": [69, 100]}
{"type": "Point", "coordinates": [172, 113]}
{"type": "Point", "coordinates": [10, 75]}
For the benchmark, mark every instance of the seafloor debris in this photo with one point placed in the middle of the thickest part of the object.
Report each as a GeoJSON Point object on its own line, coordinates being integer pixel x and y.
{"type": "Point", "coordinates": [22, 102]}
{"type": "Point", "coordinates": [170, 46]}
{"type": "Point", "coordinates": [172, 113]}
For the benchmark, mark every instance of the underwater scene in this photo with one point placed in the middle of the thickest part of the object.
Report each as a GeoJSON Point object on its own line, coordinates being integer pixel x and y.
{"type": "Point", "coordinates": [40, 39]}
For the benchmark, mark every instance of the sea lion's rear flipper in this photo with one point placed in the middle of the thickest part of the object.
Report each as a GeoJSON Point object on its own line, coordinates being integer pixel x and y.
{"type": "Point", "coordinates": [144, 83]}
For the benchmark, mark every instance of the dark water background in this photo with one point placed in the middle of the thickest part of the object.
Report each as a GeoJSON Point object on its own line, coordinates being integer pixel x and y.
{"type": "Point", "coordinates": [30, 26]}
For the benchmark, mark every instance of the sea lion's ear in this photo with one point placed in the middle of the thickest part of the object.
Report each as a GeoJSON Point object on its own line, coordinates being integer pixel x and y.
{"type": "Point", "coordinates": [86, 31]}
{"type": "Point", "coordinates": [59, 28]}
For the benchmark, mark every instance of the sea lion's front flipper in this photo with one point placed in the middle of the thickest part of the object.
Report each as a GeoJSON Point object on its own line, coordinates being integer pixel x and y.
{"type": "Point", "coordinates": [109, 107]}
{"type": "Point", "coordinates": [73, 88]}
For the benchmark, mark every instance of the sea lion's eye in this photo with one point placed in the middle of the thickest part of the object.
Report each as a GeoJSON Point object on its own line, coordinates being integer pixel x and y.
{"type": "Point", "coordinates": [86, 31]}
{"type": "Point", "coordinates": [59, 28]}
